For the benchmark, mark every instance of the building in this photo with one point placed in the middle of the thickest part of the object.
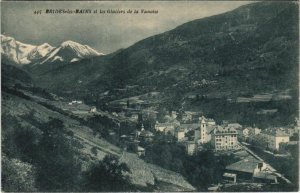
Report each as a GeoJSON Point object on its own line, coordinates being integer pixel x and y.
{"type": "Point", "coordinates": [140, 151]}
{"type": "Point", "coordinates": [229, 177]}
{"type": "Point", "coordinates": [145, 135]}
{"type": "Point", "coordinates": [191, 147]}
{"type": "Point", "coordinates": [206, 126]}
{"type": "Point", "coordinates": [190, 127]}
{"type": "Point", "coordinates": [243, 133]}
{"type": "Point", "coordinates": [180, 135]}
{"type": "Point", "coordinates": [189, 116]}
{"type": "Point", "coordinates": [235, 125]}
{"type": "Point", "coordinates": [134, 117]}
{"type": "Point", "coordinates": [250, 170]}
{"type": "Point", "coordinates": [273, 137]}
{"type": "Point", "coordinates": [224, 138]}
{"type": "Point", "coordinates": [173, 114]}
{"type": "Point", "coordinates": [290, 131]}
{"type": "Point", "coordinates": [210, 122]}
{"type": "Point", "coordinates": [202, 130]}
{"type": "Point", "coordinates": [93, 109]}
{"type": "Point", "coordinates": [254, 131]}
{"type": "Point", "coordinates": [166, 127]}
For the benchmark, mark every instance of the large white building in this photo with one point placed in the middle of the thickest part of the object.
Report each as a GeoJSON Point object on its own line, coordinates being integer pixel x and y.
{"type": "Point", "coordinates": [224, 138]}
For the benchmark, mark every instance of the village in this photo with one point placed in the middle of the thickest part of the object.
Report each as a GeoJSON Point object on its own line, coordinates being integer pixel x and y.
{"type": "Point", "coordinates": [197, 133]}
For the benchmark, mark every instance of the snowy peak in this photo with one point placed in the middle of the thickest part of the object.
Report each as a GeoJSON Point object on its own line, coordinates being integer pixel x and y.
{"type": "Point", "coordinates": [15, 51]}
{"type": "Point", "coordinates": [82, 51]}
{"type": "Point", "coordinates": [70, 51]}
{"type": "Point", "coordinates": [40, 52]}
{"type": "Point", "coordinates": [20, 54]}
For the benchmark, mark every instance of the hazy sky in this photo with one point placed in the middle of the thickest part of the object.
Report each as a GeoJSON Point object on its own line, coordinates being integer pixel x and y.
{"type": "Point", "coordinates": [105, 32]}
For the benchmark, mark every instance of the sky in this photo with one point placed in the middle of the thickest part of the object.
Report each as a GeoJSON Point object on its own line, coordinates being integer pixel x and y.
{"type": "Point", "coordinates": [104, 32]}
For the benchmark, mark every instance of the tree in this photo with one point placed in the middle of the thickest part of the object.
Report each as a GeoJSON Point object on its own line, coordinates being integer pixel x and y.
{"type": "Point", "coordinates": [94, 150]}
{"type": "Point", "coordinates": [17, 176]}
{"type": "Point", "coordinates": [107, 175]}
{"type": "Point", "coordinates": [58, 168]}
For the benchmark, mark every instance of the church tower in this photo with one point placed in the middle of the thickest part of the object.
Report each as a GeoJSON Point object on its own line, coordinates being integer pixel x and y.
{"type": "Point", "coordinates": [203, 130]}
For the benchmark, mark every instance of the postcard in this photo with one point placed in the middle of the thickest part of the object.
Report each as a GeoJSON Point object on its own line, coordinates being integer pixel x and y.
{"type": "Point", "coordinates": [150, 96]}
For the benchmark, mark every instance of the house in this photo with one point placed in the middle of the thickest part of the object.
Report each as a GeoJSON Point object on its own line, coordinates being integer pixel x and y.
{"type": "Point", "coordinates": [145, 135]}
{"type": "Point", "coordinates": [274, 137]}
{"type": "Point", "coordinates": [224, 138]}
{"type": "Point", "coordinates": [229, 177]}
{"type": "Point", "coordinates": [76, 102]}
{"type": "Point", "coordinates": [243, 132]}
{"type": "Point", "coordinates": [189, 116]}
{"type": "Point", "coordinates": [173, 114]}
{"type": "Point", "coordinates": [290, 131]}
{"type": "Point", "coordinates": [166, 127]}
{"type": "Point", "coordinates": [191, 147]}
{"type": "Point", "coordinates": [134, 117]}
{"type": "Point", "coordinates": [251, 170]}
{"type": "Point", "coordinates": [180, 135]}
{"type": "Point", "coordinates": [190, 127]}
{"type": "Point", "coordinates": [254, 131]}
{"type": "Point", "coordinates": [93, 109]}
{"type": "Point", "coordinates": [235, 125]}
{"type": "Point", "coordinates": [140, 151]}
{"type": "Point", "coordinates": [210, 122]}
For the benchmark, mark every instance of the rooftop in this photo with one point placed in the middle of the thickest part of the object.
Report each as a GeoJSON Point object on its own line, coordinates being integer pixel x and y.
{"type": "Point", "coordinates": [191, 125]}
{"type": "Point", "coordinates": [246, 165]}
{"type": "Point", "coordinates": [165, 124]}
{"type": "Point", "coordinates": [278, 132]}
{"type": "Point", "coordinates": [230, 175]}
{"type": "Point", "coordinates": [225, 130]}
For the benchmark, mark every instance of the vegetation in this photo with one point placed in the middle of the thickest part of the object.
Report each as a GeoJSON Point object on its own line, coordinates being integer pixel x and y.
{"type": "Point", "coordinates": [44, 159]}
{"type": "Point", "coordinates": [201, 170]}
{"type": "Point", "coordinates": [107, 175]}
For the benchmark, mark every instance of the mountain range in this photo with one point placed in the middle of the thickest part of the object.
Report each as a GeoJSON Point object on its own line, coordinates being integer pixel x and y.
{"type": "Point", "coordinates": [18, 53]}
{"type": "Point", "coordinates": [252, 50]}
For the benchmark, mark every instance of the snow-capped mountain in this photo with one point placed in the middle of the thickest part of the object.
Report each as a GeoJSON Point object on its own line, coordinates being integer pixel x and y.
{"type": "Point", "coordinates": [15, 51]}
{"type": "Point", "coordinates": [70, 51]}
{"type": "Point", "coordinates": [20, 53]}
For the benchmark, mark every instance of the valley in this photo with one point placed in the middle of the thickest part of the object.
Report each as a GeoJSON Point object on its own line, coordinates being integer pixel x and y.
{"type": "Point", "coordinates": [191, 109]}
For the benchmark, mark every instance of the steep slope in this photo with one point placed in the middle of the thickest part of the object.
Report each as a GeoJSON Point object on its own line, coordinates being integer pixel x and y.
{"type": "Point", "coordinates": [12, 75]}
{"type": "Point", "coordinates": [24, 108]}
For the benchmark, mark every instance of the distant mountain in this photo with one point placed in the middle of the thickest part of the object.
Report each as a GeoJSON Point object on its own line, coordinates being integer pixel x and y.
{"type": "Point", "coordinates": [18, 53]}
{"type": "Point", "coordinates": [15, 51]}
{"type": "Point", "coordinates": [70, 51]}
{"type": "Point", "coordinates": [256, 43]}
